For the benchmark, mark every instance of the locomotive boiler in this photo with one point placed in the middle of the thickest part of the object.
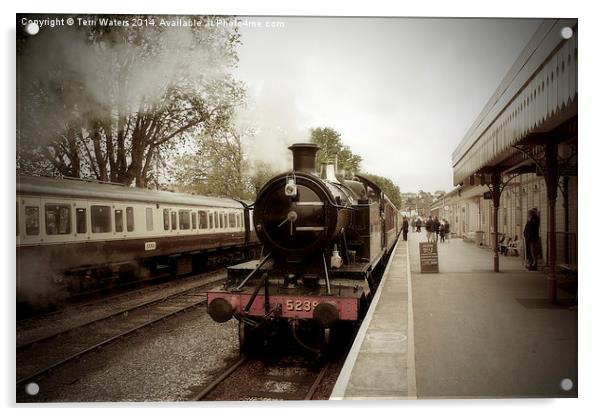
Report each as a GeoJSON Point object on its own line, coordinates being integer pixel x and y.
{"type": "Point", "coordinates": [325, 240]}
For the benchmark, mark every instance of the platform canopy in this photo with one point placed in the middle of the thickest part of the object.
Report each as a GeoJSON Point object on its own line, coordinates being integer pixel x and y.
{"type": "Point", "coordinates": [538, 94]}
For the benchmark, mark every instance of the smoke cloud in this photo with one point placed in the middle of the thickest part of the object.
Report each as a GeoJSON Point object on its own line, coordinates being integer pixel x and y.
{"type": "Point", "coordinates": [67, 75]}
{"type": "Point", "coordinates": [275, 123]}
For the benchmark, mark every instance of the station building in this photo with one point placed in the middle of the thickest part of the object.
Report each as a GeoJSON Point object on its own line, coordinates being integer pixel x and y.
{"type": "Point", "coordinates": [521, 153]}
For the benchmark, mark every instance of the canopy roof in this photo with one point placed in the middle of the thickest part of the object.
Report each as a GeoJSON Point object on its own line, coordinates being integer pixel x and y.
{"type": "Point", "coordinates": [537, 94]}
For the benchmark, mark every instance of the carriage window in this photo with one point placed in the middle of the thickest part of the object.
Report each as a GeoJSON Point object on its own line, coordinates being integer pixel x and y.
{"type": "Point", "coordinates": [194, 220]}
{"type": "Point", "coordinates": [221, 220]}
{"type": "Point", "coordinates": [118, 221]}
{"type": "Point", "coordinates": [32, 220]}
{"type": "Point", "coordinates": [101, 218]}
{"type": "Point", "coordinates": [174, 220]}
{"type": "Point", "coordinates": [184, 219]}
{"type": "Point", "coordinates": [129, 218]}
{"type": "Point", "coordinates": [149, 219]}
{"type": "Point", "coordinates": [58, 219]}
{"type": "Point", "coordinates": [80, 220]}
{"type": "Point", "coordinates": [203, 219]}
{"type": "Point", "coordinates": [166, 219]}
{"type": "Point", "coordinates": [231, 220]}
{"type": "Point", "coordinates": [211, 220]}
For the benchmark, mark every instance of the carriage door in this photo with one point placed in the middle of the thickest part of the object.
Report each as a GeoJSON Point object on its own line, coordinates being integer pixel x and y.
{"type": "Point", "coordinates": [82, 220]}
{"type": "Point", "coordinates": [119, 221]}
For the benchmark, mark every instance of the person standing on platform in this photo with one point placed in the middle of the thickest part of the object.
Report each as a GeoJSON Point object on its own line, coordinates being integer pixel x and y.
{"type": "Point", "coordinates": [418, 224]}
{"type": "Point", "coordinates": [429, 229]}
{"type": "Point", "coordinates": [436, 226]}
{"type": "Point", "coordinates": [413, 225]}
{"type": "Point", "coordinates": [442, 231]}
{"type": "Point", "coordinates": [404, 228]}
{"type": "Point", "coordinates": [531, 234]}
{"type": "Point", "coordinates": [446, 228]}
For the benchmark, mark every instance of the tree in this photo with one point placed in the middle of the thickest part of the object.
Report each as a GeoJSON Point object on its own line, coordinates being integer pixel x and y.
{"type": "Point", "coordinates": [112, 102]}
{"type": "Point", "coordinates": [260, 174]}
{"type": "Point", "coordinates": [217, 167]}
{"type": "Point", "coordinates": [331, 146]}
{"type": "Point", "coordinates": [388, 187]}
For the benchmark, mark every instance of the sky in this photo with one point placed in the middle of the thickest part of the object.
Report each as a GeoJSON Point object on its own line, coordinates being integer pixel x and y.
{"type": "Point", "coordinates": [401, 91]}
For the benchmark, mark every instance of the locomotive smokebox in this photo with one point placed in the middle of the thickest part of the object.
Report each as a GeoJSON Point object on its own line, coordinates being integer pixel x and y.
{"type": "Point", "coordinates": [304, 157]}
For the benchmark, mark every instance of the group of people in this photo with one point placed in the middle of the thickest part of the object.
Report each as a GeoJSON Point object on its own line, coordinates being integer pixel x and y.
{"type": "Point", "coordinates": [435, 230]}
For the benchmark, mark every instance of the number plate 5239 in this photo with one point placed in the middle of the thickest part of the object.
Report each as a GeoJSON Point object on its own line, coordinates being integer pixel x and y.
{"type": "Point", "coordinates": [300, 305]}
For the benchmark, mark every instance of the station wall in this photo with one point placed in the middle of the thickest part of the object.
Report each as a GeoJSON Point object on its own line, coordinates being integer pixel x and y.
{"type": "Point", "coordinates": [469, 212]}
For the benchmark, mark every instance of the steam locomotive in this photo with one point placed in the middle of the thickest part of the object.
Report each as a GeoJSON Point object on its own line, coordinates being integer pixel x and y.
{"type": "Point", "coordinates": [325, 243]}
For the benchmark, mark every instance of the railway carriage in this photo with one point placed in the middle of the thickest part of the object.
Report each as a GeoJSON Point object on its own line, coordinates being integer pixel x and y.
{"type": "Point", "coordinates": [74, 234]}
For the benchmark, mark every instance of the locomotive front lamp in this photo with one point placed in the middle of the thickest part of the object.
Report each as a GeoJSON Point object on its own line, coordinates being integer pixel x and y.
{"type": "Point", "coordinates": [290, 189]}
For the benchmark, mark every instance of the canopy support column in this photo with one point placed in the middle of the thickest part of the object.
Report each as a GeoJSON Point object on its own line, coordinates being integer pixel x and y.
{"type": "Point", "coordinates": [552, 178]}
{"type": "Point", "coordinates": [496, 190]}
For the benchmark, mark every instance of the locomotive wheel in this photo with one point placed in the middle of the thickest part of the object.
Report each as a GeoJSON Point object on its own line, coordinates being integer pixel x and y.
{"type": "Point", "coordinates": [325, 343]}
{"type": "Point", "coordinates": [248, 338]}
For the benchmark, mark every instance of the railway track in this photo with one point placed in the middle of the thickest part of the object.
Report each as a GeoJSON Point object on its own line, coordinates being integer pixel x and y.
{"type": "Point", "coordinates": [253, 380]}
{"type": "Point", "coordinates": [38, 357]}
{"type": "Point", "coordinates": [36, 329]}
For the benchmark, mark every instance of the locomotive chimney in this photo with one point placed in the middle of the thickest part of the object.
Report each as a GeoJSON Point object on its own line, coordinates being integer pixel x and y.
{"type": "Point", "coordinates": [304, 157]}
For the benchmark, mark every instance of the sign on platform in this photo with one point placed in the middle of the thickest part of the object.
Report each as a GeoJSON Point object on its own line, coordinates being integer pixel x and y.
{"type": "Point", "coordinates": [429, 259]}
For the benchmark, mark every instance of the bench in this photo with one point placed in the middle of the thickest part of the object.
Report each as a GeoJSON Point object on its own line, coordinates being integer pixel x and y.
{"type": "Point", "coordinates": [512, 246]}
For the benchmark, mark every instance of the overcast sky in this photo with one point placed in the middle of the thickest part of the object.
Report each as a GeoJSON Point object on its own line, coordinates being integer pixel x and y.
{"type": "Point", "coordinates": [402, 92]}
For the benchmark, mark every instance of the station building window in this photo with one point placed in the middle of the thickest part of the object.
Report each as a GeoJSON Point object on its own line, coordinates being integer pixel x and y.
{"type": "Point", "coordinates": [80, 221]}
{"type": "Point", "coordinates": [203, 219]}
{"type": "Point", "coordinates": [129, 218]}
{"type": "Point", "coordinates": [149, 219]}
{"type": "Point", "coordinates": [184, 219]}
{"type": "Point", "coordinates": [118, 221]}
{"type": "Point", "coordinates": [58, 219]}
{"type": "Point", "coordinates": [174, 220]}
{"type": "Point", "coordinates": [101, 218]}
{"type": "Point", "coordinates": [166, 219]}
{"type": "Point", "coordinates": [32, 220]}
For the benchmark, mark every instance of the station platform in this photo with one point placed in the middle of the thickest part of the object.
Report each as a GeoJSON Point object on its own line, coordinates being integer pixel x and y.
{"type": "Point", "coordinates": [465, 332]}
{"type": "Point", "coordinates": [380, 364]}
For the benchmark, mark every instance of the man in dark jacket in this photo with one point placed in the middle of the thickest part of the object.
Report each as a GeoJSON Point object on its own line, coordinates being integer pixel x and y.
{"type": "Point", "coordinates": [404, 228]}
{"type": "Point", "coordinates": [429, 229]}
{"type": "Point", "coordinates": [436, 225]}
{"type": "Point", "coordinates": [531, 234]}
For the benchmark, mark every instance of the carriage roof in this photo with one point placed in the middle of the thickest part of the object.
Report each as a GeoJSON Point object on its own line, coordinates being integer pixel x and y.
{"type": "Point", "coordinates": [37, 185]}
